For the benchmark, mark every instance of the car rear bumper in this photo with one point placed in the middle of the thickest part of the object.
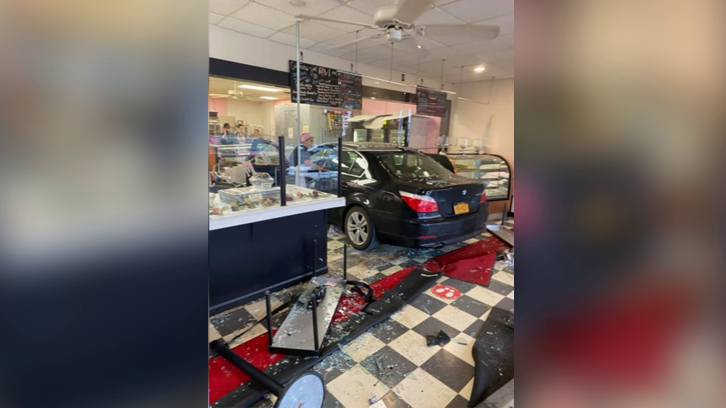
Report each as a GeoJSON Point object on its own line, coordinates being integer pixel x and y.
{"type": "Point", "coordinates": [432, 233]}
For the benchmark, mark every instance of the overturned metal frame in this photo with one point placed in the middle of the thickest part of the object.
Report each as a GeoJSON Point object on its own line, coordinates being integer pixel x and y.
{"type": "Point", "coordinates": [303, 331]}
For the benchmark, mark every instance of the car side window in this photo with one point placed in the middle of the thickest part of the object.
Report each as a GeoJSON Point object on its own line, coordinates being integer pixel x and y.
{"type": "Point", "coordinates": [354, 164]}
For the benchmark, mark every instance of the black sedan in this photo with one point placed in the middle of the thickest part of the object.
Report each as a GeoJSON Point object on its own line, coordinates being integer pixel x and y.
{"type": "Point", "coordinates": [402, 197]}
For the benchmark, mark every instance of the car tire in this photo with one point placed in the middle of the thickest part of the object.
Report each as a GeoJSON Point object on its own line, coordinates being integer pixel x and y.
{"type": "Point", "coordinates": [359, 229]}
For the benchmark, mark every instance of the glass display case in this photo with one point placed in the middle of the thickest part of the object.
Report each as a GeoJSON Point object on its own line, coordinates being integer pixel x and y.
{"type": "Point", "coordinates": [246, 177]}
{"type": "Point", "coordinates": [492, 169]}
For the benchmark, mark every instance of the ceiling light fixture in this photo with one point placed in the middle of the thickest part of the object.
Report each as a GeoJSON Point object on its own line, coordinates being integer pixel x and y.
{"type": "Point", "coordinates": [298, 3]}
{"type": "Point", "coordinates": [479, 69]}
{"type": "Point", "coordinates": [419, 47]}
{"type": "Point", "coordinates": [259, 88]}
{"type": "Point", "coordinates": [269, 98]}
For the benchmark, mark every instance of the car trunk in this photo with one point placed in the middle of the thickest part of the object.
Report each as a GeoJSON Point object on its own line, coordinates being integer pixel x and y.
{"type": "Point", "coordinates": [448, 192]}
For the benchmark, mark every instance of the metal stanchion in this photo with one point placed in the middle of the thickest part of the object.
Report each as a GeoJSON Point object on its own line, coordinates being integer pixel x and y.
{"type": "Point", "coordinates": [282, 181]}
{"type": "Point", "coordinates": [315, 321]}
{"type": "Point", "coordinates": [340, 160]}
{"type": "Point", "coordinates": [269, 317]}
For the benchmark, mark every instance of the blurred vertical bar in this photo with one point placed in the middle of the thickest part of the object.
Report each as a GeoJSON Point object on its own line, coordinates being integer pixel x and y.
{"type": "Point", "coordinates": [340, 158]}
{"type": "Point", "coordinates": [282, 181]}
{"type": "Point", "coordinates": [297, 85]}
{"type": "Point", "coordinates": [103, 242]}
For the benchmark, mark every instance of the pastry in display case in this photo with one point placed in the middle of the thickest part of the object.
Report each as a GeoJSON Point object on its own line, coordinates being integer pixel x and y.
{"type": "Point", "coordinates": [242, 199]}
{"type": "Point", "coordinates": [491, 169]}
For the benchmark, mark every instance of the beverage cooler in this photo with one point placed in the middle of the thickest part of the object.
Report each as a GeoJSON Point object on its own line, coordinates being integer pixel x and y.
{"type": "Point", "coordinates": [404, 129]}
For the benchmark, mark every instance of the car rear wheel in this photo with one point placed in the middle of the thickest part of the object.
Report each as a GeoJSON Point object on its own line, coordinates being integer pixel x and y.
{"type": "Point", "coordinates": [359, 229]}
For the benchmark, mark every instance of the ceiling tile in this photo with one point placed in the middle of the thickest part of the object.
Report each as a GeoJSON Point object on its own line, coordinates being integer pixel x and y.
{"type": "Point", "coordinates": [245, 27]}
{"type": "Point", "coordinates": [215, 18]}
{"type": "Point", "coordinates": [379, 52]}
{"type": "Point", "coordinates": [427, 43]}
{"type": "Point", "coordinates": [505, 23]}
{"type": "Point", "coordinates": [313, 30]}
{"type": "Point", "coordinates": [264, 16]}
{"type": "Point", "coordinates": [291, 40]}
{"type": "Point", "coordinates": [472, 11]}
{"type": "Point", "coordinates": [507, 39]}
{"type": "Point", "coordinates": [361, 59]}
{"type": "Point", "coordinates": [386, 63]}
{"type": "Point", "coordinates": [370, 6]}
{"type": "Point", "coordinates": [349, 14]}
{"type": "Point", "coordinates": [483, 46]}
{"type": "Point", "coordinates": [442, 2]}
{"type": "Point", "coordinates": [441, 53]}
{"type": "Point", "coordinates": [225, 7]}
{"type": "Point", "coordinates": [499, 55]}
{"type": "Point", "coordinates": [342, 39]}
{"type": "Point", "coordinates": [506, 63]}
{"type": "Point", "coordinates": [436, 16]}
{"type": "Point", "coordinates": [326, 49]}
{"type": "Point", "coordinates": [313, 7]}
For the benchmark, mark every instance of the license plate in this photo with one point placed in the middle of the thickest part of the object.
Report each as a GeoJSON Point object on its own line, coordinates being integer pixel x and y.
{"type": "Point", "coordinates": [461, 208]}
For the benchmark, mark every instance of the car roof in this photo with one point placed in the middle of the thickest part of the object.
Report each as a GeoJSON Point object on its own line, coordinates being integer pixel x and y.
{"type": "Point", "coordinates": [373, 146]}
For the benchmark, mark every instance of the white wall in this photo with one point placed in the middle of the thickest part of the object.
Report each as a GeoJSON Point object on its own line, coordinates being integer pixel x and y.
{"type": "Point", "coordinates": [488, 117]}
{"type": "Point", "coordinates": [254, 113]}
{"type": "Point", "coordinates": [234, 46]}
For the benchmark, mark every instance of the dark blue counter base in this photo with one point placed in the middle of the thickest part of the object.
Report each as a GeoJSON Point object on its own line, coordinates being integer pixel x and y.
{"type": "Point", "coordinates": [247, 260]}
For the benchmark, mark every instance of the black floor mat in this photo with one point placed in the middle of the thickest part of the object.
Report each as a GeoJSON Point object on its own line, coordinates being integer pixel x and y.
{"type": "Point", "coordinates": [493, 355]}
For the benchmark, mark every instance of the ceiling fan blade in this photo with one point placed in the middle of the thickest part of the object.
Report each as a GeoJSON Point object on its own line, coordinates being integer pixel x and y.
{"type": "Point", "coordinates": [345, 44]}
{"type": "Point", "coordinates": [485, 32]}
{"type": "Point", "coordinates": [409, 10]}
{"type": "Point", "coordinates": [333, 20]}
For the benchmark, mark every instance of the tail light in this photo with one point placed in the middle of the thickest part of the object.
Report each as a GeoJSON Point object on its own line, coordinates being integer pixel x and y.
{"type": "Point", "coordinates": [483, 198]}
{"type": "Point", "coordinates": [419, 203]}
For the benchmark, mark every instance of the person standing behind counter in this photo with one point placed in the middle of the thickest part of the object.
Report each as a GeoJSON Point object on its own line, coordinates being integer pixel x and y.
{"type": "Point", "coordinates": [228, 138]}
{"type": "Point", "coordinates": [257, 143]}
{"type": "Point", "coordinates": [306, 143]}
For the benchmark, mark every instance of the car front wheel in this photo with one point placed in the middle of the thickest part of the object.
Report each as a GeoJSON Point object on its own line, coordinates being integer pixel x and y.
{"type": "Point", "coordinates": [359, 229]}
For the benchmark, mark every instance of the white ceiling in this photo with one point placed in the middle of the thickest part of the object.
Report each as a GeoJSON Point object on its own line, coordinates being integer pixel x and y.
{"type": "Point", "coordinates": [274, 20]}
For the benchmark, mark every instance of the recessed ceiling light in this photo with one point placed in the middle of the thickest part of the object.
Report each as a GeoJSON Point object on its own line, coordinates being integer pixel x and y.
{"type": "Point", "coordinates": [479, 69]}
{"type": "Point", "coordinates": [259, 88]}
{"type": "Point", "coordinates": [298, 3]}
{"type": "Point", "coordinates": [373, 97]}
{"type": "Point", "coordinates": [269, 98]}
{"type": "Point", "coordinates": [419, 47]}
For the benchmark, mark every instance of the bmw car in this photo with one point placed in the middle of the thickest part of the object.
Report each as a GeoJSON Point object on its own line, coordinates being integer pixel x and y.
{"type": "Point", "coordinates": [402, 197]}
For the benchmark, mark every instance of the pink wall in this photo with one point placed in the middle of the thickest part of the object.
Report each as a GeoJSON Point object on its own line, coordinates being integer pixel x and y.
{"type": "Point", "coordinates": [218, 105]}
{"type": "Point", "coordinates": [378, 107]}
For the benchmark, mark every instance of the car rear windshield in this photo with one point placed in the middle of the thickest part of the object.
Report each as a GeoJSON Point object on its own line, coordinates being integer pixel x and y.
{"type": "Point", "coordinates": [411, 166]}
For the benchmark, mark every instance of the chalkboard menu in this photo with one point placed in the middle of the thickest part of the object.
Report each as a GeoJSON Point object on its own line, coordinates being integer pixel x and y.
{"type": "Point", "coordinates": [351, 90]}
{"type": "Point", "coordinates": [318, 85]}
{"type": "Point", "coordinates": [430, 102]}
{"type": "Point", "coordinates": [326, 86]}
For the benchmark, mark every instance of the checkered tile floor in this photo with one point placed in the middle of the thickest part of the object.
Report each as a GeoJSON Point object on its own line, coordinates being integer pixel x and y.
{"type": "Point", "coordinates": [391, 361]}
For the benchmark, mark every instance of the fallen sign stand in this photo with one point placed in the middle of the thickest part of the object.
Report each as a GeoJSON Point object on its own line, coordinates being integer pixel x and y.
{"type": "Point", "coordinates": [306, 390]}
{"type": "Point", "coordinates": [502, 233]}
{"type": "Point", "coordinates": [304, 329]}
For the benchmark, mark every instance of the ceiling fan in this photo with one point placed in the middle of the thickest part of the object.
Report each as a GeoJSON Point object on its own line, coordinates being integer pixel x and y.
{"type": "Point", "coordinates": [398, 23]}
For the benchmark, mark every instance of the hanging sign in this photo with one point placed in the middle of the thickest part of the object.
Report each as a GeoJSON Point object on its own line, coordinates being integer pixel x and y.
{"type": "Point", "coordinates": [351, 90]}
{"type": "Point", "coordinates": [318, 85]}
{"type": "Point", "coordinates": [430, 102]}
{"type": "Point", "coordinates": [326, 86]}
